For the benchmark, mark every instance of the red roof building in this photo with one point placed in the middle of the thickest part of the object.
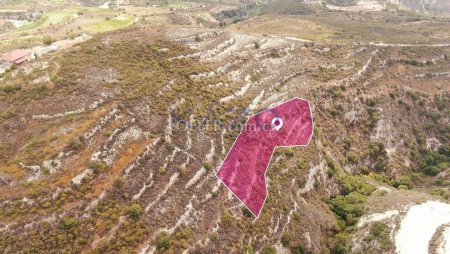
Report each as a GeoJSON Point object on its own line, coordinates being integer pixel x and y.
{"type": "Point", "coordinates": [17, 56]}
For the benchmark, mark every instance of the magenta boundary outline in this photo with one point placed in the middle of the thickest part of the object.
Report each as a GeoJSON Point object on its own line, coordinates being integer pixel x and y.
{"type": "Point", "coordinates": [271, 156]}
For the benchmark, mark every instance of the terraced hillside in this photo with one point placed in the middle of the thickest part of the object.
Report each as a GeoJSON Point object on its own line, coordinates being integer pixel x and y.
{"type": "Point", "coordinates": [97, 157]}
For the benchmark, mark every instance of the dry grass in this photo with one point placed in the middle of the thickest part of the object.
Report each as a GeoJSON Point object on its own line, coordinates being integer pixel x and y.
{"type": "Point", "coordinates": [286, 26]}
{"type": "Point", "coordinates": [343, 27]}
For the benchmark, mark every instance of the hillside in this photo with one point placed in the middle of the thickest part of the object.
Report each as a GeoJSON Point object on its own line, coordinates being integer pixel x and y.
{"type": "Point", "coordinates": [111, 145]}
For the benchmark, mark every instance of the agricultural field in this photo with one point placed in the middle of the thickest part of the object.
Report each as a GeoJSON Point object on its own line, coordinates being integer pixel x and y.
{"type": "Point", "coordinates": [112, 24]}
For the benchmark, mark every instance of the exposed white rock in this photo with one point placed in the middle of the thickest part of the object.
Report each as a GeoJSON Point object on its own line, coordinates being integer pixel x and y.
{"type": "Point", "coordinates": [114, 113]}
{"type": "Point", "coordinates": [202, 170]}
{"type": "Point", "coordinates": [419, 225]}
{"type": "Point", "coordinates": [444, 247]}
{"type": "Point", "coordinates": [313, 172]}
{"type": "Point", "coordinates": [92, 106]}
{"type": "Point", "coordinates": [433, 144]}
{"type": "Point", "coordinates": [78, 179]}
{"type": "Point", "coordinates": [172, 180]}
{"type": "Point", "coordinates": [377, 217]}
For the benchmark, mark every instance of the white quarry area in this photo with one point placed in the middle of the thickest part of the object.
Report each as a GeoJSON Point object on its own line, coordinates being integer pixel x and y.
{"type": "Point", "coordinates": [362, 5]}
{"type": "Point", "coordinates": [419, 225]}
{"type": "Point", "coordinates": [416, 227]}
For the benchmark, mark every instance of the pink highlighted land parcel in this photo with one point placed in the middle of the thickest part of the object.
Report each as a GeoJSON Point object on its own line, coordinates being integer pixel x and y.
{"type": "Point", "coordinates": [243, 170]}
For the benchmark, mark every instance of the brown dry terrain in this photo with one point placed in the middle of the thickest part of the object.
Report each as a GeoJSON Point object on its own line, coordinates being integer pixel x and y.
{"type": "Point", "coordinates": [92, 161]}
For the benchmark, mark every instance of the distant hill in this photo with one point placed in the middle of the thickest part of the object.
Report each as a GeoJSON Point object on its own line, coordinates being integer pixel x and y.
{"type": "Point", "coordinates": [442, 6]}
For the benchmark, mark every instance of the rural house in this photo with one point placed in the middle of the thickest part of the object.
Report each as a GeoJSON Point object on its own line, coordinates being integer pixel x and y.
{"type": "Point", "coordinates": [17, 56]}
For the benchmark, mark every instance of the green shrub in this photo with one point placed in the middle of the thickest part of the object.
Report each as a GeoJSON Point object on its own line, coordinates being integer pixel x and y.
{"type": "Point", "coordinates": [412, 62]}
{"type": "Point", "coordinates": [57, 79]}
{"type": "Point", "coordinates": [289, 152]}
{"type": "Point", "coordinates": [215, 193]}
{"type": "Point", "coordinates": [269, 250]}
{"type": "Point", "coordinates": [301, 164]}
{"type": "Point", "coordinates": [248, 249]}
{"type": "Point", "coordinates": [11, 88]}
{"type": "Point", "coordinates": [227, 218]}
{"type": "Point", "coordinates": [68, 223]}
{"type": "Point", "coordinates": [374, 116]}
{"type": "Point", "coordinates": [441, 182]}
{"type": "Point", "coordinates": [247, 212]}
{"type": "Point", "coordinates": [432, 163]}
{"type": "Point", "coordinates": [435, 116]}
{"type": "Point", "coordinates": [331, 165]}
{"type": "Point", "coordinates": [376, 150]}
{"type": "Point", "coordinates": [296, 216]}
{"type": "Point", "coordinates": [207, 165]}
{"type": "Point", "coordinates": [351, 184]}
{"type": "Point", "coordinates": [445, 149]}
{"type": "Point", "coordinates": [340, 244]}
{"type": "Point", "coordinates": [325, 250]}
{"type": "Point", "coordinates": [45, 170]}
{"type": "Point", "coordinates": [371, 102]}
{"type": "Point", "coordinates": [75, 144]}
{"type": "Point", "coordinates": [119, 183]}
{"type": "Point", "coordinates": [98, 166]}
{"type": "Point", "coordinates": [380, 231]}
{"type": "Point", "coordinates": [297, 249]}
{"type": "Point", "coordinates": [352, 157]}
{"type": "Point", "coordinates": [163, 241]}
{"type": "Point", "coordinates": [47, 40]}
{"type": "Point", "coordinates": [412, 95]}
{"type": "Point", "coordinates": [432, 170]}
{"type": "Point", "coordinates": [404, 180]}
{"type": "Point", "coordinates": [440, 103]}
{"type": "Point", "coordinates": [134, 211]}
{"type": "Point", "coordinates": [349, 207]}
{"type": "Point", "coordinates": [9, 113]}
{"type": "Point", "coordinates": [286, 238]}
{"type": "Point", "coordinates": [162, 170]}
{"type": "Point", "coordinates": [347, 144]}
